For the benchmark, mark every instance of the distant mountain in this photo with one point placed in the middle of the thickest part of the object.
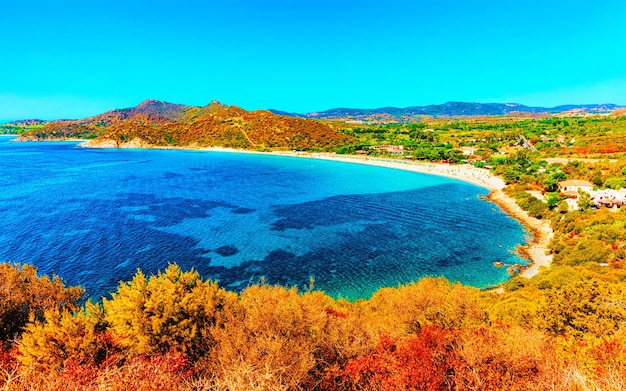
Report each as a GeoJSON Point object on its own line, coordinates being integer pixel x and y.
{"type": "Point", "coordinates": [449, 109]}
{"type": "Point", "coordinates": [25, 122]}
{"type": "Point", "coordinates": [160, 124]}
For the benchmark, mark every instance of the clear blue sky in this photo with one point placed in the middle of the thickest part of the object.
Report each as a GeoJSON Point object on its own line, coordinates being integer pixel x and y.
{"type": "Point", "coordinates": [71, 59]}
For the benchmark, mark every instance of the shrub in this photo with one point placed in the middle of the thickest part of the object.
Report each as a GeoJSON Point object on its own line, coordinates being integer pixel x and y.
{"type": "Point", "coordinates": [24, 296]}
{"type": "Point", "coordinates": [171, 310]}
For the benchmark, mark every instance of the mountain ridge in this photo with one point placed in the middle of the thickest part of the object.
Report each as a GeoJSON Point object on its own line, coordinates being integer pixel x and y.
{"type": "Point", "coordinates": [155, 123]}
{"type": "Point", "coordinates": [161, 111]}
{"type": "Point", "coordinates": [157, 109]}
{"type": "Point", "coordinates": [451, 109]}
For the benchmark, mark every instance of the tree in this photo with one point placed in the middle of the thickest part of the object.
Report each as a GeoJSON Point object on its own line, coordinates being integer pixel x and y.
{"type": "Point", "coordinates": [550, 184]}
{"type": "Point", "coordinates": [512, 174]}
{"type": "Point", "coordinates": [553, 201]}
{"type": "Point", "coordinates": [584, 200]}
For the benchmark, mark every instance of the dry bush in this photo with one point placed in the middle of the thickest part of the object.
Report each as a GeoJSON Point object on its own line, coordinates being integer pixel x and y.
{"type": "Point", "coordinates": [64, 336]}
{"type": "Point", "coordinates": [171, 310]}
{"type": "Point", "coordinates": [24, 296]}
{"type": "Point", "coordinates": [160, 372]}
{"type": "Point", "coordinates": [266, 343]}
{"type": "Point", "coordinates": [430, 301]}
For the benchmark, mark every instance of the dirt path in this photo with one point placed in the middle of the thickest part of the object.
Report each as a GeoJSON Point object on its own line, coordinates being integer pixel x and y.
{"type": "Point", "coordinates": [248, 137]}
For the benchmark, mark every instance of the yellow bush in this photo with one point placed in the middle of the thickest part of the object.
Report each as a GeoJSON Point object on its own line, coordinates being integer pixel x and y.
{"type": "Point", "coordinates": [430, 301]}
{"type": "Point", "coordinates": [63, 335]}
{"type": "Point", "coordinates": [169, 310]}
{"type": "Point", "coordinates": [24, 297]}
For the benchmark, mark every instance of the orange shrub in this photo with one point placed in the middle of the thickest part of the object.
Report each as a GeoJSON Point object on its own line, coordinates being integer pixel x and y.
{"type": "Point", "coordinates": [422, 362]}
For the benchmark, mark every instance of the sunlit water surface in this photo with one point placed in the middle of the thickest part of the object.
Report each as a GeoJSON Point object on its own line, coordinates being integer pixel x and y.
{"type": "Point", "coordinates": [94, 217]}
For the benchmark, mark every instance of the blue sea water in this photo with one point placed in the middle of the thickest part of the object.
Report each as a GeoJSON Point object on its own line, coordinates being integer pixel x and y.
{"type": "Point", "coordinates": [94, 217]}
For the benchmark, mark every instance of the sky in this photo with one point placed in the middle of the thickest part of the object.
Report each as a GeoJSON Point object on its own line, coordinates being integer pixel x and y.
{"type": "Point", "coordinates": [73, 59]}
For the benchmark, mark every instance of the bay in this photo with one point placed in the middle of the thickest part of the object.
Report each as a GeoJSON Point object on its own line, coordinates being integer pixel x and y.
{"type": "Point", "coordinates": [94, 217]}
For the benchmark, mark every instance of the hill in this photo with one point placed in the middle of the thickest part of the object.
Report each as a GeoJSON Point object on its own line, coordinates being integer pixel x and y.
{"type": "Point", "coordinates": [618, 112]}
{"type": "Point", "coordinates": [20, 126]}
{"type": "Point", "coordinates": [160, 124]}
{"type": "Point", "coordinates": [448, 109]}
{"type": "Point", "coordinates": [157, 111]}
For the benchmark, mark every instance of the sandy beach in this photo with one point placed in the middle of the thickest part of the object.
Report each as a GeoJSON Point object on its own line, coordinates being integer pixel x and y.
{"type": "Point", "coordinates": [541, 232]}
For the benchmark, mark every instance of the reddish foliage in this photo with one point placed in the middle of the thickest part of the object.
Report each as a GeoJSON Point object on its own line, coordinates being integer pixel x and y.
{"type": "Point", "coordinates": [420, 363]}
{"type": "Point", "coordinates": [611, 359]}
{"type": "Point", "coordinates": [173, 363]}
{"type": "Point", "coordinates": [171, 367]}
{"type": "Point", "coordinates": [79, 374]}
{"type": "Point", "coordinates": [335, 313]}
{"type": "Point", "coordinates": [611, 148]}
{"type": "Point", "coordinates": [582, 150]}
{"type": "Point", "coordinates": [8, 358]}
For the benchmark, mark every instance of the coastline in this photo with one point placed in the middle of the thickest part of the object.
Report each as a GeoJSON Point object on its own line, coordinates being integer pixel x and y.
{"type": "Point", "coordinates": [541, 232]}
{"type": "Point", "coordinates": [537, 249]}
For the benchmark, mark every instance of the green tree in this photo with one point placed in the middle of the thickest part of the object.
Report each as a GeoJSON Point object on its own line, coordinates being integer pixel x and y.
{"type": "Point", "coordinates": [550, 184]}
{"type": "Point", "coordinates": [584, 200]}
{"type": "Point", "coordinates": [553, 201]}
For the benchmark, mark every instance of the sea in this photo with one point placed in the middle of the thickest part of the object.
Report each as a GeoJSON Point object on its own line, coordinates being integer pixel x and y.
{"type": "Point", "coordinates": [95, 217]}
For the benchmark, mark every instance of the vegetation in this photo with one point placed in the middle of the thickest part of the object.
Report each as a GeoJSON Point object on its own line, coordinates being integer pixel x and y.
{"type": "Point", "coordinates": [493, 139]}
{"type": "Point", "coordinates": [176, 331]}
{"type": "Point", "coordinates": [160, 124]}
{"type": "Point", "coordinates": [564, 329]}
{"type": "Point", "coordinates": [19, 127]}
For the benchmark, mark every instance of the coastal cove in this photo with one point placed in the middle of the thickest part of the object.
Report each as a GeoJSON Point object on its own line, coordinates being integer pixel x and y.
{"type": "Point", "coordinates": [94, 216]}
{"type": "Point", "coordinates": [536, 249]}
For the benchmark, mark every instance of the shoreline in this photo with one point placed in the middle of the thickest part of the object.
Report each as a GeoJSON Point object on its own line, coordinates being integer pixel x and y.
{"type": "Point", "coordinates": [537, 248]}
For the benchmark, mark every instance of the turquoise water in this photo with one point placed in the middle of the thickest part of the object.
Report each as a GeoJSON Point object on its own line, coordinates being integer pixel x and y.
{"type": "Point", "coordinates": [94, 217]}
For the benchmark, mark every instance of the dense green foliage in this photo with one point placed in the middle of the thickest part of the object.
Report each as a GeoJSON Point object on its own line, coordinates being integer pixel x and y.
{"type": "Point", "coordinates": [498, 137]}
{"type": "Point", "coordinates": [20, 127]}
